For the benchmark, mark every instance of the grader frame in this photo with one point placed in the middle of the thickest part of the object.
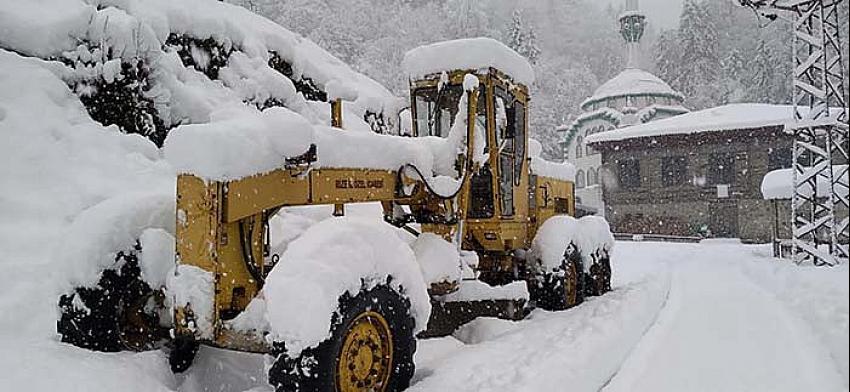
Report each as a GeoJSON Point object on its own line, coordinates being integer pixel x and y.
{"type": "Point", "coordinates": [221, 224]}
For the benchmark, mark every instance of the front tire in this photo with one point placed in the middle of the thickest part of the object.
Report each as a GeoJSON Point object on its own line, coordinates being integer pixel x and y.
{"type": "Point", "coordinates": [370, 349]}
{"type": "Point", "coordinates": [114, 315]}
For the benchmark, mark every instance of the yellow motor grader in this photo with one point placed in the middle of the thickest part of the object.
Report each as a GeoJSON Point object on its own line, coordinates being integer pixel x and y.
{"type": "Point", "coordinates": [222, 228]}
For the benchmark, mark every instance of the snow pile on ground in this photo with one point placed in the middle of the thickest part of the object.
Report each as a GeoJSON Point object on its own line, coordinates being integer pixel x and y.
{"type": "Point", "coordinates": [470, 53]}
{"type": "Point", "coordinates": [70, 184]}
{"type": "Point", "coordinates": [237, 93]}
{"type": "Point", "coordinates": [564, 171]}
{"type": "Point", "coordinates": [47, 28]}
{"type": "Point", "coordinates": [590, 234]}
{"type": "Point", "coordinates": [333, 257]}
{"type": "Point", "coordinates": [438, 259]}
{"type": "Point", "coordinates": [73, 193]}
{"type": "Point", "coordinates": [779, 184]}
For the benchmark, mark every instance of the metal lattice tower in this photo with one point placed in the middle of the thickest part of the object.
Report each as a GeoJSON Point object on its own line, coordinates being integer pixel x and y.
{"type": "Point", "coordinates": [820, 131]}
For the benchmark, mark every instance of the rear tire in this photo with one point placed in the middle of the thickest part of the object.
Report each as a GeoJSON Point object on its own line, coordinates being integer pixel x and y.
{"type": "Point", "coordinates": [563, 288]}
{"type": "Point", "coordinates": [370, 358]}
{"type": "Point", "coordinates": [598, 281]}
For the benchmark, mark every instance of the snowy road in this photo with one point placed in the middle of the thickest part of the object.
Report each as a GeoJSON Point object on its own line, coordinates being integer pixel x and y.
{"type": "Point", "coordinates": [682, 317]}
{"type": "Point", "coordinates": [721, 332]}
{"type": "Point", "coordinates": [691, 320]}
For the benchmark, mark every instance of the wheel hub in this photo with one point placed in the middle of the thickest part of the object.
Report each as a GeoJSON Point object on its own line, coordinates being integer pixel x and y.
{"type": "Point", "coordinates": [365, 357]}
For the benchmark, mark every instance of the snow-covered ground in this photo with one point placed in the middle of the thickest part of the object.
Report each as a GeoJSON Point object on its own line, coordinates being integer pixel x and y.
{"type": "Point", "coordinates": [682, 317]}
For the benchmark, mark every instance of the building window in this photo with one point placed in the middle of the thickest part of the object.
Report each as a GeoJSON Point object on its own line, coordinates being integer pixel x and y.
{"type": "Point", "coordinates": [580, 179]}
{"type": "Point", "coordinates": [629, 173]}
{"type": "Point", "coordinates": [674, 170]}
{"type": "Point", "coordinates": [721, 168]}
{"type": "Point", "coordinates": [588, 149]}
{"type": "Point", "coordinates": [591, 177]}
{"type": "Point", "coordinates": [579, 142]}
{"type": "Point", "coordinates": [779, 158]}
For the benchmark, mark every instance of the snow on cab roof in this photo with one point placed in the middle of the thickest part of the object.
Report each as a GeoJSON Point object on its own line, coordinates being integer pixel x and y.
{"type": "Point", "coordinates": [469, 53]}
{"type": "Point", "coordinates": [779, 184]}
{"type": "Point", "coordinates": [632, 82]}
{"type": "Point", "coordinates": [726, 117]}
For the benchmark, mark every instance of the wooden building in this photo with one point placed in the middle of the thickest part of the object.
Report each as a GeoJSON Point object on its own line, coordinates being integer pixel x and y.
{"type": "Point", "coordinates": [697, 174]}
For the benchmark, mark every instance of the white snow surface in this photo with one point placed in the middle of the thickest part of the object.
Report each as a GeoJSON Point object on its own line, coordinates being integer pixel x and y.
{"type": "Point", "coordinates": [157, 259]}
{"type": "Point", "coordinates": [779, 184]}
{"type": "Point", "coordinates": [469, 53]}
{"type": "Point", "coordinates": [331, 258]}
{"type": "Point", "coordinates": [49, 27]}
{"type": "Point", "coordinates": [591, 234]}
{"type": "Point", "coordinates": [195, 287]}
{"type": "Point", "coordinates": [564, 171]}
{"type": "Point", "coordinates": [438, 259]}
{"type": "Point", "coordinates": [630, 82]}
{"type": "Point", "coordinates": [727, 117]}
{"type": "Point", "coordinates": [476, 290]}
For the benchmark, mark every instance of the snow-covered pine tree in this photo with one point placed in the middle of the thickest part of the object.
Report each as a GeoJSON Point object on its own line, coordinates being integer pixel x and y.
{"type": "Point", "coordinates": [522, 39]}
{"type": "Point", "coordinates": [667, 57]}
{"type": "Point", "coordinates": [761, 74]}
{"type": "Point", "coordinates": [699, 52]}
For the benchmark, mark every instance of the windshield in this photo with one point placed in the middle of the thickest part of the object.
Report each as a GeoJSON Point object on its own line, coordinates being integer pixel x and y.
{"type": "Point", "coordinates": [435, 109]}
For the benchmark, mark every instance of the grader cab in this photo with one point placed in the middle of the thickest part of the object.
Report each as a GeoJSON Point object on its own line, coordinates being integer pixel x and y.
{"type": "Point", "coordinates": [490, 198]}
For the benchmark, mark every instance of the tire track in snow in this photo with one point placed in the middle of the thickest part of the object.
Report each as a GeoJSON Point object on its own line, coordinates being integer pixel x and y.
{"type": "Point", "coordinates": [646, 331]}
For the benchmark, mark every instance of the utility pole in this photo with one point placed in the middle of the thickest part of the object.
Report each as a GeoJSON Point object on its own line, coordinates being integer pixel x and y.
{"type": "Point", "coordinates": [820, 130]}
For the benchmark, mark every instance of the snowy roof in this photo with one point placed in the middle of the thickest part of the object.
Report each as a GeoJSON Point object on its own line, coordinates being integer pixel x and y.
{"type": "Point", "coordinates": [727, 117]}
{"type": "Point", "coordinates": [779, 184]}
{"type": "Point", "coordinates": [630, 82]}
{"type": "Point", "coordinates": [469, 53]}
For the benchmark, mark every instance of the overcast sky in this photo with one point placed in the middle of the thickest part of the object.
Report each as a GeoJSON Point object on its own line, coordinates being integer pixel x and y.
{"type": "Point", "coordinates": [663, 14]}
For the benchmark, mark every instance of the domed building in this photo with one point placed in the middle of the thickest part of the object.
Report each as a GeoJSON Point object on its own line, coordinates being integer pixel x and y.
{"type": "Point", "coordinates": [632, 97]}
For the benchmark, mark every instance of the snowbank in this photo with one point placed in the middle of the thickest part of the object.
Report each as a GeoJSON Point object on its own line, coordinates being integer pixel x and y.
{"type": "Point", "coordinates": [85, 190]}
{"type": "Point", "coordinates": [333, 257]}
{"type": "Point", "coordinates": [564, 171]}
{"type": "Point", "coordinates": [779, 184]}
{"type": "Point", "coordinates": [47, 28]}
{"type": "Point", "coordinates": [469, 53]}
{"type": "Point", "coordinates": [591, 234]}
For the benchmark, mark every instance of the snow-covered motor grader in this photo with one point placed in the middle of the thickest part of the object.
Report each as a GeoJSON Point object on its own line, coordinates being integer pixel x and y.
{"type": "Point", "coordinates": [503, 213]}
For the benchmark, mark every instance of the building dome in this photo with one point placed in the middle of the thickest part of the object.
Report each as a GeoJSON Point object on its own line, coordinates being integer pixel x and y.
{"type": "Point", "coordinates": [633, 82]}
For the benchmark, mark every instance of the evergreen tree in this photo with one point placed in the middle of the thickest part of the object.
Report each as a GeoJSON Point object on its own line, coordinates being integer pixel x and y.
{"type": "Point", "coordinates": [699, 52]}
{"type": "Point", "coordinates": [521, 39]}
{"type": "Point", "coordinates": [762, 68]}
{"type": "Point", "coordinates": [667, 56]}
